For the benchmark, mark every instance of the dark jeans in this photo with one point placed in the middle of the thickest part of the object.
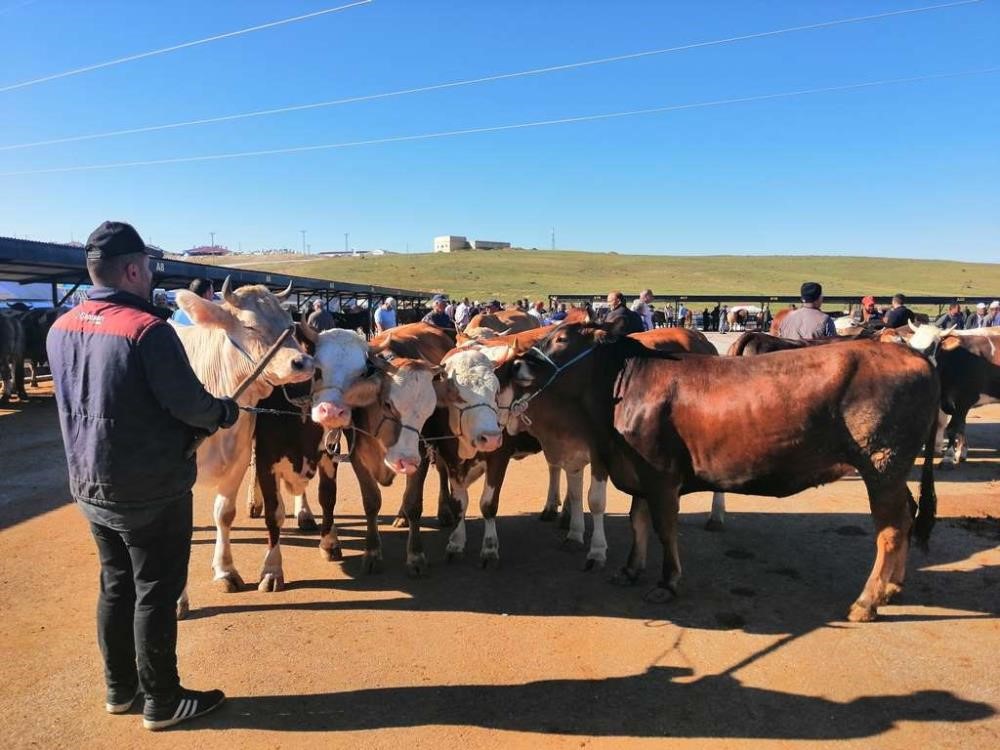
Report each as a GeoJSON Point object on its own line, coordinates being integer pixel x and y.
{"type": "Point", "coordinates": [143, 572]}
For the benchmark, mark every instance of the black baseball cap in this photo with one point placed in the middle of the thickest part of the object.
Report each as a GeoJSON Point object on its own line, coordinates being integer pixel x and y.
{"type": "Point", "coordinates": [811, 291]}
{"type": "Point", "coordinates": [114, 238]}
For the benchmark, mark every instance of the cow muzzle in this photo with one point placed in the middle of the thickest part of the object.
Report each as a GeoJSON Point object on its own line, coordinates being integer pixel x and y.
{"type": "Point", "coordinates": [488, 441]}
{"type": "Point", "coordinates": [406, 465]}
{"type": "Point", "coordinates": [331, 416]}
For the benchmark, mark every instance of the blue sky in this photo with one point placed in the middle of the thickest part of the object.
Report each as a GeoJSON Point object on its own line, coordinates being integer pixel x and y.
{"type": "Point", "coordinates": [910, 170]}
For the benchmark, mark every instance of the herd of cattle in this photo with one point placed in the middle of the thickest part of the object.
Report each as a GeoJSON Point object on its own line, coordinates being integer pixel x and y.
{"type": "Point", "coordinates": [658, 414]}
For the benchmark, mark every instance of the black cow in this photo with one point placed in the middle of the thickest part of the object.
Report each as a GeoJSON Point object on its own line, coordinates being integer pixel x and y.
{"type": "Point", "coordinates": [11, 355]}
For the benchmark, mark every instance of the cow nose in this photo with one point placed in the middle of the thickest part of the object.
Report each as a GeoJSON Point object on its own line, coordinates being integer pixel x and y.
{"type": "Point", "coordinates": [489, 441]}
{"type": "Point", "coordinates": [330, 415]}
{"type": "Point", "coordinates": [406, 465]}
{"type": "Point", "coordinates": [302, 362]}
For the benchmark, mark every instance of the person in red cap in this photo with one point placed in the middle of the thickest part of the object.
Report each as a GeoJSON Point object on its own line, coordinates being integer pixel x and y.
{"type": "Point", "coordinates": [868, 309]}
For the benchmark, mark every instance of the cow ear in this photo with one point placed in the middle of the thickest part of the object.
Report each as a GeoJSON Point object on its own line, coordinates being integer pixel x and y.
{"type": "Point", "coordinates": [950, 342]}
{"type": "Point", "coordinates": [445, 390]}
{"type": "Point", "coordinates": [363, 392]}
{"type": "Point", "coordinates": [203, 312]}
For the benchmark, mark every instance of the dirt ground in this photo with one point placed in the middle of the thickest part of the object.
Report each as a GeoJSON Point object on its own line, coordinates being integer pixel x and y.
{"type": "Point", "coordinates": [536, 653]}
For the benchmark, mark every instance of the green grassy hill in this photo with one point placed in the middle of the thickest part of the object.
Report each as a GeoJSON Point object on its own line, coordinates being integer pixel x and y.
{"type": "Point", "coordinates": [507, 274]}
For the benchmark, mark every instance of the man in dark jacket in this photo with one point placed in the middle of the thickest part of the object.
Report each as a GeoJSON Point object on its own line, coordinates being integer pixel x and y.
{"type": "Point", "coordinates": [900, 314]}
{"type": "Point", "coordinates": [129, 408]}
{"type": "Point", "coordinates": [437, 316]}
{"type": "Point", "coordinates": [619, 311]}
{"type": "Point", "coordinates": [953, 317]}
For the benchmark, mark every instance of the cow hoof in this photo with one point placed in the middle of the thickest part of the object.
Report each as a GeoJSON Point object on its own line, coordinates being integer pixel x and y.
{"type": "Point", "coordinates": [564, 520]}
{"type": "Point", "coordinates": [572, 545]}
{"type": "Point", "coordinates": [183, 609]}
{"type": "Point", "coordinates": [400, 522]}
{"type": "Point", "coordinates": [255, 511]}
{"type": "Point", "coordinates": [549, 514]}
{"type": "Point", "coordinates": [625, 577]}
{"type": "Point", "coordinates": [860, 613]}
{"type": "Point", "coordinates": [714, 524]}
{"type": "Point", "coordinates": [660, 595]}
{"type": "Point", "coordinates": [490, 562]}
{"type": "Point", "coordinates": [307, 523]}
{"type": "Point", "coordinates": [372, 563]}
{"type": "Point", "coordinates": [334, 554]}
{"type": "Point", "coordinates": [594, 563]}
{"type": "Point", "coordinates": [454, 555]}
{"type": "Point", "coordinates": [229, 583]}
{"type": "Point", "coordinates": [892, 592]}
{"type": "Point", "coordinates": [416, 565]}
{"type": "Point", "coordinates": [271, 582]}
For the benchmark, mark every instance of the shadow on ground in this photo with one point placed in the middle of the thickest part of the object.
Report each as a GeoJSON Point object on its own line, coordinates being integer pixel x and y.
{"type": "Point", "coordinates": [651, 704]}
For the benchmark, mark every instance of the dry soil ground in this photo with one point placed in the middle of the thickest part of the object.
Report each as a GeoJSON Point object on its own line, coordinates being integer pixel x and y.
{"type": "Point", "coordinates": [536, 653]}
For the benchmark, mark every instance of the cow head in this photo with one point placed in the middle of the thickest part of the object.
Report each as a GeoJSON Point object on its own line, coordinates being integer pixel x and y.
{"type": "Point", "coordinates": [926, 338]}
{"type": "Point", "coordinates": [469, 391]}
{"type": "Point", "coordinates": [252, 319]}
{"type": "Point", "coordinates": [399, 397]}
{"type": "Point", "coordinates": [342, 357]}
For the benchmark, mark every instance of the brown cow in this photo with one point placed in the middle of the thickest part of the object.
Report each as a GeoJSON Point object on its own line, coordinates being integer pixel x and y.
{"type": "Point", "coordinates": [504, 322]}
{"type": "Point", "coordinates": [654, 428]}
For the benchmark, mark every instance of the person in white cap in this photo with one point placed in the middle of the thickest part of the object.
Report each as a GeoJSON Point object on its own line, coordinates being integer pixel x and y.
{"type": "Point", "coordinates": [978, 319]}
{"type": "Point", "coordinates": [385, 315]}
{"type": "Point", "coordinates": [993, 314]}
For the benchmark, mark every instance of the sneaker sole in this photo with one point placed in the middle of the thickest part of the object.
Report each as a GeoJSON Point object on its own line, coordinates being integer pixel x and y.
{"type": "Point", "coordinates": [120, 708]}
{"type": "Point", "coordinates": [155, 726]}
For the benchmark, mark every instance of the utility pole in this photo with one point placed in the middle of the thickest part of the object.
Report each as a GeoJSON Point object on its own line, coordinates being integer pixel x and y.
{"type": "Point", "coordinates": [346, 237]}
{"type": "Point", "coordinates": [303, 240]}
{"type": "Point", "coordinates": [553, 238]}
{"type": "Point", "coordinates": [212, 235]}
{"type": "Point", "coordinates": [407, 248]}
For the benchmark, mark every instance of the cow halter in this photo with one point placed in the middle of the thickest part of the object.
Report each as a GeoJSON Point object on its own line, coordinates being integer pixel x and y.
{"type": "Point", "coordinates": [238, 347]}
{"type": "Point", "coordinates": [520, 405]}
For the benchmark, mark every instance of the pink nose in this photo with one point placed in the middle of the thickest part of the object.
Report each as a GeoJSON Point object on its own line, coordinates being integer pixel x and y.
{"type": "Point", "coordinates": [330, 415]}
{"type": "Point", "coordinates": [405, 465]}
{"type": "Point", "coordinates": [489, 441]}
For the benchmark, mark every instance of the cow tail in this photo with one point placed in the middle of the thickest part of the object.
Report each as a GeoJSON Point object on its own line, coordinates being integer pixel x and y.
{"type": "Point", "coordinates": [926, 515]}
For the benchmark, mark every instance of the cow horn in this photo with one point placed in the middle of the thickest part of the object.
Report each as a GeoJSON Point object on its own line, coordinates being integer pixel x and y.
{"type": "Point", "coordinates": [288, 290]}
{"type": "Point", "coordinates": [227, 292]}
{"type": "Point", "coordinates": [505, 332]}
{"type": "Point", "coordinates": [912, 327]}
{"type": "Point", "coordinates": [949, 330]}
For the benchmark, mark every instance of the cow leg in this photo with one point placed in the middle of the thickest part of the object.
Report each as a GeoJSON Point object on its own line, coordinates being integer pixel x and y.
{"type": "Point", "coordinates": [489, 501]}
{"type": "Point", "coordinates": [940, 438]}
{"type": "Point", "coordinates": [22, 395]}
{"type": "Point", "coordinates": [371, 498]}
{"type": "Point", "coordinates": [255, 498]}
{"type": "Point", "coordinates": [329, 544]}
{"type": "Point", "coordinates": [303, 514]}
{"type": "Point", "coordinates": [34, 374]}
{"type": "Point", "coordinates": [717, 517]}
{"type": "Point", "coordinates": [272, 574]}
{"type": "Point", "coordinates": [5, 381]}
{"type": "Point", "coordinates": [551, 509]}
{"type": "Point", "coordinates": [574, 501]}
{"type": "Point", "coordinates": [456, 541]}
{"type": "Point", "coordinates": [448, 507]}
{"type": "Point", "coordinates": [183, 605]}
{"type": "Point", "coordinates": [664, 507]}
{"type": "Point", "coordinates": [891, 512]}
{"type": "Point", "coordinates": [413, 506]}
{"type": "Point", "coordinates": [566, 513]}
{"type": "Point", "coordinates": [639, 516]}
{"type": "Point", "coordinates": [957, 447]}
{"type": "Point", "coordinates": [597, 501]}
{"type": "Point", "coordinates": [226, 575]}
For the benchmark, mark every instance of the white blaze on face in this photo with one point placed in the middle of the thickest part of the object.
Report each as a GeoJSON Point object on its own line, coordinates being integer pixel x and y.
{"type": "Point", "coordinates": [926, 337]}
{"type": "Point", "coordinates": [342, 357]}
{"type": "Point", "coordinates": [412, 395]}
{"type": "Point", "coordinates": [474, 417]}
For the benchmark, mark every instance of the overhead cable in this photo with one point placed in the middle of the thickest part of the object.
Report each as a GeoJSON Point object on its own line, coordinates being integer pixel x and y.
{"type": "Point", "coordinates": [499, 128]}
{"type": "Point", "coordinates": [184, 45]}
{"type": "Point", "coordinates": [483, 79]}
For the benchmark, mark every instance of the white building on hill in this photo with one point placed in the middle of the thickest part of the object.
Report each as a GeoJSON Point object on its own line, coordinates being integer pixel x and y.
{"type": "Point", "coordinates": [449, 243]}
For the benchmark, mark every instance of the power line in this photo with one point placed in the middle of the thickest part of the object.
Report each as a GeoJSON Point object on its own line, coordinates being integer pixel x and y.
{"type": "Point", "coordinates": [184, 45]}
{"type": "Point", "coordinates": [483, 79]}
{"type": "Point", "coordinates": [499, 128]}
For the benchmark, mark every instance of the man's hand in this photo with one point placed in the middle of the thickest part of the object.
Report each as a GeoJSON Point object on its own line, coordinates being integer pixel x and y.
{"type": "Point", "coordinates": [230, 414]}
